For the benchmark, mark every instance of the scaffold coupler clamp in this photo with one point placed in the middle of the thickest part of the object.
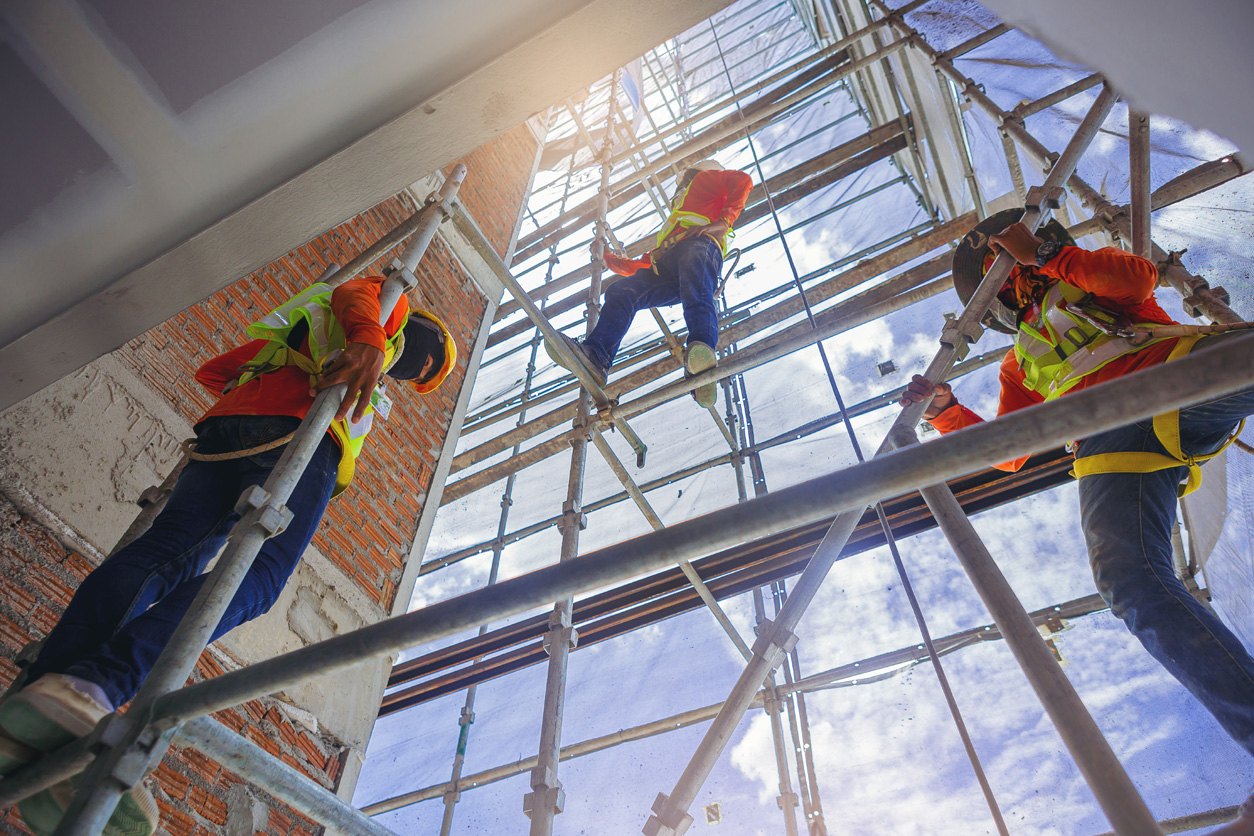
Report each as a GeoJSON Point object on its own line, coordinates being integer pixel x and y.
{"type": "Point", "coordinates": [397, 269]}
{"type": "Point", "coordinates": [127, 767]}
{"type": "Point", "coordinates": [605, 415]}
{"type": "Point", "coordinates": [257, 507]}
{"type": "Point", "coordinates": [958, 337]}
{"type": "Point", "coordinates": [546, 791]}
{"type": "Point", "coordinates": [467, 718]}
{"type": "Point", "coordinates": [152, 495]}
{"type": "Point", "coordinates": [572, 514]}
{"type": "Point", "coordinates": [773, 642]}
{"type": "Point", "coordinates": [561, 629]}
{"type": "Point", "coordinates": [1043, 199]}
{"type": "Point", "coordinates": [667, 820]}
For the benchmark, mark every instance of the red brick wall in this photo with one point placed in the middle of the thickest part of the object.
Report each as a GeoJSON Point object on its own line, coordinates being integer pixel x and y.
{"type": "Point", "coordinates": [498, 175]}
{"type": "Point", "coordinates": [367, 533]}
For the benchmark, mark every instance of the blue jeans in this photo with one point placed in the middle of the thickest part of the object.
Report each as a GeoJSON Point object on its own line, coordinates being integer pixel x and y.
{"type": "Point", "coordinates": [126, 610]}
{"type": "Point", "coordinates": [687, 274]}
{"type": "Point", "coordinates": [1128, 519]}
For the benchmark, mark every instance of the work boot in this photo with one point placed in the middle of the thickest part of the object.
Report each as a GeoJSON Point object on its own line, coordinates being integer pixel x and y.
{"type": "Point", "coordinates": [598, 372]}
{"type": "Point", "coordinates": [699, 357]}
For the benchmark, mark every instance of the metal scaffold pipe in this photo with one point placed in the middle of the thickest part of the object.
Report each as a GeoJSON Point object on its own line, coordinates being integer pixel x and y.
{"type": "Point", "coordinates": [850, 674]}
{"type": "Point", "coordinates": [1203, 375]}
{"type": "Point", "coordinates": [1115, 793]}
{"type": "Point", "coordinates": [476, 238]}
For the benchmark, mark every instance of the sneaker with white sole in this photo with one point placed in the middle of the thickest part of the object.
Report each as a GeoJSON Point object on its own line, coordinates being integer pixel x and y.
{"type": "Point", "coordinates": [44, 716]}
{"type": "Point", "coordinates": [599, 373]}
{"type": "Point", "coordinates": [50, 712]}
{"type": "Point", "coordinates": [135, 815]}
{"type": "Point", "coordinates": [699, 357]}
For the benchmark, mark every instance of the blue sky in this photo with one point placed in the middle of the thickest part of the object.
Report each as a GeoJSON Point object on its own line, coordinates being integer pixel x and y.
{"type": "Point", "coordinates": [888, 756]}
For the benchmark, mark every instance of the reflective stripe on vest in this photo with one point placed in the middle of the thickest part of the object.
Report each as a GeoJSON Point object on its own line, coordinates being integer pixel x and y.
{"type": "Point", "coordinates": [1167, 429]}
{"type": "Point", "coordinates": [680, 217]}
{"type": "Point", "coordinates": [326, 338]}
{"type": "Point", "coordinates": [1057, 352]}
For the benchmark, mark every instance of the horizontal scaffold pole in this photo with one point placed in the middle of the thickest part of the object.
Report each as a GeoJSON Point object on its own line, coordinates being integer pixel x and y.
{"type": "Point", "coordinates": [861, 309]}
{"type": "Point", "coordinates": [1211, 373]}
{"type": "Point", "coordinates": [785, 188]}
{"type": "Point", "coordinates": [867, 670]}
{"type": "Point", "coordinates": [862, 272]}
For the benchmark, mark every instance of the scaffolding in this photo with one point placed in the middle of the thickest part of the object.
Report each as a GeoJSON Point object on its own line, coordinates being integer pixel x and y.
{"type": "Point", "coordinates": [911, 111]}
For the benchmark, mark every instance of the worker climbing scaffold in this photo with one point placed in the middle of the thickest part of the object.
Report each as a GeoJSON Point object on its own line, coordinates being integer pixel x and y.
{"type": "Point", "coordinates": [126, 611]}
{"type": "Point", "coordinates": [684, 268]}
{"type": "Point", "coordinates": [1080, 318]}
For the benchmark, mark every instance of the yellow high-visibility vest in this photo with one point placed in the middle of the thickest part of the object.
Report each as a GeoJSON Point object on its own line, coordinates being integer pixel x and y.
{"type": "Point", "coordinates": [326, 337]}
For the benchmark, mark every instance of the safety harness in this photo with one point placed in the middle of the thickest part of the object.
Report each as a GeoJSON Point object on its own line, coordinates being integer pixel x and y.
{"type": "Point", "coordinates": [1074, 337]}
{"type": "Point", "coordinates": [682, 218]}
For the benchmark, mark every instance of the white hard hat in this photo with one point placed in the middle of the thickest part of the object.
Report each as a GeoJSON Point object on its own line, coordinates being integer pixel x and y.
{"type": "Point", "coordinates": [706, 165]}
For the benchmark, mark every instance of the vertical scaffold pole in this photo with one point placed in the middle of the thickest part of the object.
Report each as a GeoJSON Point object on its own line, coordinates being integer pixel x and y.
{"type": "Point", "coordinates": [546, 798]}
{"type": "Point", "coordinates": [1139, 166]}
{"type": "Point", "coordinates": [1102, 771]}
{"type": "Point", "coordinates": [467, 716]}
{"type": "Point", "coordinates": [263, 515]}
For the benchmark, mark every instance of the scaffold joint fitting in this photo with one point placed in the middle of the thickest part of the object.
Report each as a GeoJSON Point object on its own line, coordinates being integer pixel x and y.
{"type": "Point", "coordinates": [467, 717]}
{"type": "Point", "coordinates": [567, 635]}
{"type": "Point", "coordinates": [605, 415]}
{"type": "Point", "coordinates": [1042, 199]}
{"type": "Point", "coordinates": [668, 820]}
{"type": "Point", "coordinates": [787, 801]}
{"type": "Point", "coordinates": [572, 514]}
{"type": "Point", "coordinates": [959, 338]}
{"type": "Point", "coordinates": [259, 507]}
{"type": "Point", "coordinates": [546, 791]}
{"type": "Point", "coordinates": [151, 496]}
{"type": "Point", "coordinates": [397, 268]}
{"type": "Point", "coordinates": [773, 641]}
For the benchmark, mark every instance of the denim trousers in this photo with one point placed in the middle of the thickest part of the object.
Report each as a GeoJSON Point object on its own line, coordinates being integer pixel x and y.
{"type": "Point", "coordinates": [688, 274]}
{"type": "Point", "coordinates": [125, 611]}
{"type": "Point", "coordinates": [1128, 520]}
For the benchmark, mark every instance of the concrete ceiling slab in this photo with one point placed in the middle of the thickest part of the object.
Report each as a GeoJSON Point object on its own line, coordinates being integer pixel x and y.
{"type": "Point", "coordinates": [263, 157]}
{"type": "Point", "coordinates": [1189, 60]}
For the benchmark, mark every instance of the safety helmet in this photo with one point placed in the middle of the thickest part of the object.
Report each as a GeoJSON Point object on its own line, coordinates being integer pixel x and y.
{"type": "Point", "coordinates": [690, 172]}
{"type": "Point", "coordinates": [971, 260]}
{"type": "Point", "coordinates": [424, 335]}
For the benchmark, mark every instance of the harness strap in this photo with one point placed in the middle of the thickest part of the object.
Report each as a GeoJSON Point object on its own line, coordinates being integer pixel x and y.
{"type": "Point", "coordinates": [1167, 429]}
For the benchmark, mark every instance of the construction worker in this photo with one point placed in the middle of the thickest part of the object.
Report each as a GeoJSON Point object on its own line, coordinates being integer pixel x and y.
{"type": "Point", "coordinates": [1080, 318]}
{"type": "Point", "coordinates": [684, 268]}
{"type": "Point", "coordinates": [124, 613]}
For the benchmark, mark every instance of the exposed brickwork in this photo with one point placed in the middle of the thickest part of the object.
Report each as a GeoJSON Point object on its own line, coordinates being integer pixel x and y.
{"type": "Point", "coordinates": [367, 533]}
{"type": "Point", "coordinates": [498, 175]}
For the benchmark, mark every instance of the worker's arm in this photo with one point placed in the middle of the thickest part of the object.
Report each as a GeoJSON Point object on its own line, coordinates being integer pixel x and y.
{"type": "Point", "coordinates": [1109, 273]}
{"type": "Point", "coordinates": [215, 374]}
{"type": "Point", "coordinates": [355, 305]}
{"type": "Point", "coordinates": [735, 186]}
{"type": "Point", "coordinates": [946, 414]}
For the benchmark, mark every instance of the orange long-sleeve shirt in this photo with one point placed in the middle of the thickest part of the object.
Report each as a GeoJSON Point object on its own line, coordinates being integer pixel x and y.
{"type": "Point", "coordinates": [285, 391]}
{"type": "Point", "coordinates": [718, 195]}
{"type": "Point", "coordinates": [1119, 281]}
